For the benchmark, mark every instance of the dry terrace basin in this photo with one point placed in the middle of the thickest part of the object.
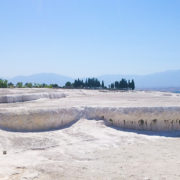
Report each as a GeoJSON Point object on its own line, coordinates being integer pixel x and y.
{"type": "Point", "coordinates": [47, 109]}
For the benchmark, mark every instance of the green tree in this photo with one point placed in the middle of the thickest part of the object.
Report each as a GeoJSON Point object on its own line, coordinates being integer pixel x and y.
{"type": "Point", "coordinates": [54, 85]}
{"type": "Point", "coordinates": [68, 84]}
{"type": "Point", "coordinates": [116, 84]}
{"type": "Point", "coordinates": [102, 84]}
{"type": "Point", "coordinates": [3, 83]}
{"type": "Point", "coordinates": [112, 85]}
{"type": "Point", "coordinates": [28, 85]}
{"type": "Point", "coordinates": [133, 84]}
{"type": "Point", "coordinates": [19, 85]}
{"type": "Point", "coordinates": [10, 85]}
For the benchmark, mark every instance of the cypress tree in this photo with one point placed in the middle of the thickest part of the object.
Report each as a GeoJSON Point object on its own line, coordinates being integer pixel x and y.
{"type": "Point", "coordinates": [102, 85]}
{"type": "Point", "coordinates": [133, 85]}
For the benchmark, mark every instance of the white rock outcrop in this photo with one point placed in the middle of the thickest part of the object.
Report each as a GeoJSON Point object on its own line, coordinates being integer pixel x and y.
{"type": "Point", "coordinates": [38, 120]}
{"type": "Point", "coordinates": [154, 111]}
{"type": "Point", "coordinates": [29, 97]}
{"type": "Point", "coordinates": [139, 118]}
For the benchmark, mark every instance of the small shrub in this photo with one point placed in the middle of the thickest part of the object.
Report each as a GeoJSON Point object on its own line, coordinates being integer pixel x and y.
{"type": "Point", "coordinates": [110, 120]}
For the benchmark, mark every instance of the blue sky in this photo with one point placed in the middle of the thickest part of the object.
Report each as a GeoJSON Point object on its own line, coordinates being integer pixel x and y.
{"type": "Point", "coordinates": [81, 38]}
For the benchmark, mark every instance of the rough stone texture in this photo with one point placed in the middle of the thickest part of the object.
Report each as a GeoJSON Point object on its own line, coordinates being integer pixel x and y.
{"type": "Point", "coordinates": [29, 97]}
{"type": "Point", "coordinates": [90, 148]}
{"type": "Point", "coordinates": [47, 109]}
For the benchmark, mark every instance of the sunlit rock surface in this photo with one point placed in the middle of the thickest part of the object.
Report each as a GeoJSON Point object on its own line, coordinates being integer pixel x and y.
{"type": "Point", "coordinates": [89, 149]}
{"type": "Point", "coordinates": [47, 109]}
{"type": "Point", "coordinates": [87, 142]}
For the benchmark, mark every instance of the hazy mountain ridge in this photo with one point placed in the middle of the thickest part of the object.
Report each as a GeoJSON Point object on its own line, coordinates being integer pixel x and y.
{"type": "Point", "coordinates": [167, 79]}
{"type": "Point", "coordinates": [48, 78]}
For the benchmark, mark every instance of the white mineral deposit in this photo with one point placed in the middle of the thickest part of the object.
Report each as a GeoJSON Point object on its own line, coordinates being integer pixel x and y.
{"type": "Point", "coordinates": [49, 134]}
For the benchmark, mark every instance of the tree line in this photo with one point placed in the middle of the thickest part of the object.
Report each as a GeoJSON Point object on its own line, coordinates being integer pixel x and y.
{"type": "Point", "coordinates": [123, 84]}
{"type": "Point", "coordinates": [6, 84]}
{"type": "Point", "coordinates": [94, 83]}
{"type": "Point", "coordinates": [89, 83]}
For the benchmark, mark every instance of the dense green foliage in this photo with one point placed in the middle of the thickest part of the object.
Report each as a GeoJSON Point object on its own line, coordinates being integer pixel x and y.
{"type": "Point", "coordinates": [89, 83]}
{"type": "Point", "coordinates": [123, 84]}
{"type": "Point", "coordinates": [94, 83]}
{"type": "Point", "coordinates": [3, 83]}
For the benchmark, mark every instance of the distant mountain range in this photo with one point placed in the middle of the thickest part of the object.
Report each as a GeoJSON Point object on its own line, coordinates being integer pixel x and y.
{"type": "Point", "coordinates": [168, 79]}
{"type": "Point", "coordinates": [48, 78]}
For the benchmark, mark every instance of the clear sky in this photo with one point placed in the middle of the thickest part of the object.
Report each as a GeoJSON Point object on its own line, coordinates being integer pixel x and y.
{"type": "Point", "coordinates": [81, 38]}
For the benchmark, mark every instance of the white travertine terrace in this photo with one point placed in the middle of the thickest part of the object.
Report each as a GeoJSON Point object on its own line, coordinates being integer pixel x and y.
{"type": "Point", "coordinates": [29, 97]}
{"type": "Point", "coordinates": [47, 109]}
